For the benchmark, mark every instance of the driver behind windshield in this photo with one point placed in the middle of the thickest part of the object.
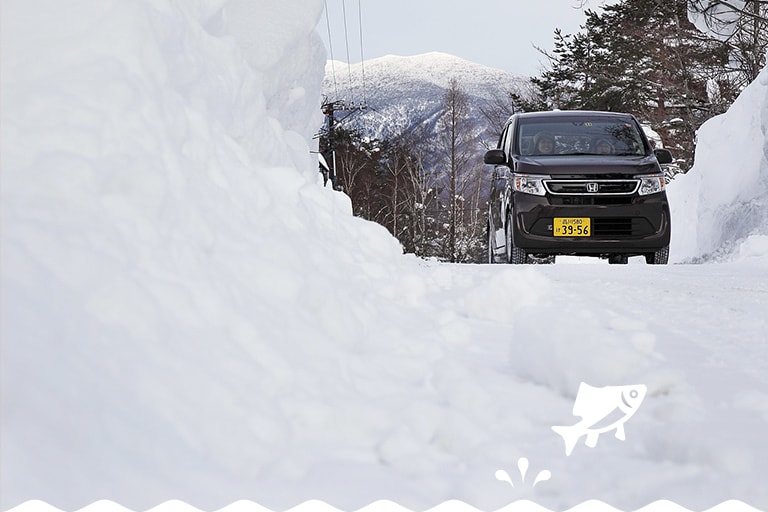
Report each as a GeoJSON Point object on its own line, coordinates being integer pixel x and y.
{"type": "Point", "coordinates": [544, 143]}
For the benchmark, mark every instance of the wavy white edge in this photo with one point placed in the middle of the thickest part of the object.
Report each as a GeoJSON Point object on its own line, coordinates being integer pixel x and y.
{"type": "Point", "coordinates": [386, 506]}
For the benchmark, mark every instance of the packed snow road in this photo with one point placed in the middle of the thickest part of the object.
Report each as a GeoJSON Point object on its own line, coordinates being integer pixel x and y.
{"type": "Point", "coordinates": [516, 342]}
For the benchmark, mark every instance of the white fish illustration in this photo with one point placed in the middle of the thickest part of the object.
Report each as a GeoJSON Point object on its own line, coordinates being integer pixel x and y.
{"type": "Point", "coordinates": [601, 410]}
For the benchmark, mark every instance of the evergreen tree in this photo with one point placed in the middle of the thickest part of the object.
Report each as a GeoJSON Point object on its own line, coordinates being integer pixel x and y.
{"type": "Point", "coordinates": [646, 58]}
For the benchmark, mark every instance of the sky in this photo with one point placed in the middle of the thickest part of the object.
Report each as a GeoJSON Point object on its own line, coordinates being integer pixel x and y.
{"type": "Point", "coordinates": [496, 33]}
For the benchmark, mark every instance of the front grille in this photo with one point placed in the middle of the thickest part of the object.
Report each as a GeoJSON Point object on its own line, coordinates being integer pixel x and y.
{"type": "Point", "coordinates": [611, 227]}
{"type": "Point", "coordinates": [592, 187]}
{"type": "Point", "coordinates": [589, 200]}
{"type": "Point", "coordinates": [607, 227]}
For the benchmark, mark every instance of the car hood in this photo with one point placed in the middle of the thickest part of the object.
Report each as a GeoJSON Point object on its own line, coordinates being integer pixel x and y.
{"type": "Point", "coordinates": [588, 165]}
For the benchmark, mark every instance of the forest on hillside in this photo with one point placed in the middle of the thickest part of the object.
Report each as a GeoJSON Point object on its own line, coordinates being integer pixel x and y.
{"type": "Point", "coordinates": [673, 64]}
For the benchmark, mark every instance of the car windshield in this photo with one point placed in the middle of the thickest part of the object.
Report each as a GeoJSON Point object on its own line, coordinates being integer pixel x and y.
{"type": "Point", "coordinates": [579, 136]}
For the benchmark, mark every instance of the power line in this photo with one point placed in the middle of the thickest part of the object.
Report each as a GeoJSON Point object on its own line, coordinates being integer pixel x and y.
{"type": "Point", "coordinates": [332, 107]}
{"type": "Point", "coordinates": [346, 40]}
{"type": "Point", "coordinates": [362, 57]}
{"type": "Point", "coordinates": [330, 50]}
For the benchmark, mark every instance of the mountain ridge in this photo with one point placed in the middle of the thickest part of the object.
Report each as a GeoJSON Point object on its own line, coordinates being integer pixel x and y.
{"type": "Point", "coordinates": [402, 93]}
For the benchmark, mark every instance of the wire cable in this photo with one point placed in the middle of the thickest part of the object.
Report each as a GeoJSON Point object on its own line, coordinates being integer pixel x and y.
{"type": "Point", "coordinates": [330, 50]}
{"type": "Point", "coordinates": [362, 56]}
{"type": "Point", "coordinates": [346, 40]}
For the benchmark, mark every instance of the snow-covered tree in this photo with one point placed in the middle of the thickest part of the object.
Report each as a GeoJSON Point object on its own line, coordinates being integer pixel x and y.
{"type": "Point", "coordinates": [646, 58]}
{"type": "Point", "coordinates": [457, 144]}
{"type": "Point", "coordinates": [743, 26]}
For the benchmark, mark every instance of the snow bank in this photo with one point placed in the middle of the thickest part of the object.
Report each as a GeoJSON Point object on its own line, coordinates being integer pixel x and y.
{"type": "Point", "coordinates": [170, 267]}
{"type": "Point", "coordinates": [722, 201]}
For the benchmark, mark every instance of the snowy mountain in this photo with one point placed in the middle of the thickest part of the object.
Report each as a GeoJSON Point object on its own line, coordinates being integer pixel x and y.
{"type": "Point", "coordinates": [404, 92]}
{"type": "Point", "coordinates": [186, 313]}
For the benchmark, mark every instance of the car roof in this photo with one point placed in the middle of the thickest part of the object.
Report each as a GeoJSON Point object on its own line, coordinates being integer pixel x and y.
{"type": "Point", "coordinates": [570, 113]}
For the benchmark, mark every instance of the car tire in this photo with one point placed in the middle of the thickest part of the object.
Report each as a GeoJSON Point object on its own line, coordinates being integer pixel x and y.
{"type": "Point", "coordinates": [660, 257]}
{"type": "Point", "coordinates": [515, 255]}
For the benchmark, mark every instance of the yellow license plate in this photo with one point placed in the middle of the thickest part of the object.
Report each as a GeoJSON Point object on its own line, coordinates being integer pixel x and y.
{"type": "Point", "coordinates": [573, 226]}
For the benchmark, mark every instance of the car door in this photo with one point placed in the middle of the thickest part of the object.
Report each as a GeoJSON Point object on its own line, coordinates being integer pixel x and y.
{"type": "Point", "coordinates": [498, 196]}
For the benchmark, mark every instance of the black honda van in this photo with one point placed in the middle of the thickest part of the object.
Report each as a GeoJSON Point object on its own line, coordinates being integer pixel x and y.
{"type": "Point", "coordinates": [577, 183]}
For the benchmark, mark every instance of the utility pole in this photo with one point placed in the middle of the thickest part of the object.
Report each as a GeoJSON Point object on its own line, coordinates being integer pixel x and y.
{"type": "Point", "coordinates": [329, 108]}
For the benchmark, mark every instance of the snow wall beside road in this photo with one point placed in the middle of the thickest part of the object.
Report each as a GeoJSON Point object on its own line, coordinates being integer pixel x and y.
{"type": "Point", "coordinates": [720, 207]}
{"type": "Point", "coordinates": [171, 271]}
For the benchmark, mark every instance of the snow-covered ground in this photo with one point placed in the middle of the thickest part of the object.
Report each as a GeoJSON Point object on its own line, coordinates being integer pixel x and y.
{"type": "Point", "coordinates": [186, 314]}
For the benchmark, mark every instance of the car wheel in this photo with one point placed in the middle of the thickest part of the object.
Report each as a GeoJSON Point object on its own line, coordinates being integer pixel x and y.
{"type": "Point", "coordinates": [515, 255]}
{"type": "Point", "coordinates": [660, 257]}
{"type": "Point", "coordinates": [618, 259]}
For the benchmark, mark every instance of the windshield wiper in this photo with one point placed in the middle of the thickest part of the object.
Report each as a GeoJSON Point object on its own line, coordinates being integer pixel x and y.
{"type": "Point", "coordinates": [590, 153]}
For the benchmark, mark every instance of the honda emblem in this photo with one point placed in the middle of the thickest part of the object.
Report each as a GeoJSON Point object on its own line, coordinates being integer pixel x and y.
{"type": "Point", "coordinates": [592, 187]}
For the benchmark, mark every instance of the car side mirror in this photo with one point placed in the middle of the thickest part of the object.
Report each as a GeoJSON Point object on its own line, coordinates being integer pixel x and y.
{"type": "Point", "coordinates": [663, 156]}
{"type": "Point", "coordinates": [495, 157]}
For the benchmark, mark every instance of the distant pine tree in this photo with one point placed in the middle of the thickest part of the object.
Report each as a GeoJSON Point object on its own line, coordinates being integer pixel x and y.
{"type": "Point", "coordinates": [645, 58]}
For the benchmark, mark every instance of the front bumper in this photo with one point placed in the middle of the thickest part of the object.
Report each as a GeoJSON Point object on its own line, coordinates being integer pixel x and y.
{"type": "Point", "coordinates": [630, 225]}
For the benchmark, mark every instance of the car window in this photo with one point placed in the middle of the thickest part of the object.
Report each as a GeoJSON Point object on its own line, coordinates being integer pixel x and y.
{"type": "Point", "coordinates": [579, 136]}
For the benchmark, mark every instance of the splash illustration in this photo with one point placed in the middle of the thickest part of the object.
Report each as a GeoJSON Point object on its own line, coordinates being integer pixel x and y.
{"type": "Point", "coordinates": [522, 466]}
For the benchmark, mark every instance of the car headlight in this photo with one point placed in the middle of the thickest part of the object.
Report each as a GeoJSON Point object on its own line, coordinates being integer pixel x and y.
{"type": "Point", "coordinates": [651, 184]}
{"type": "Point", "coordinates": [529, 184]}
